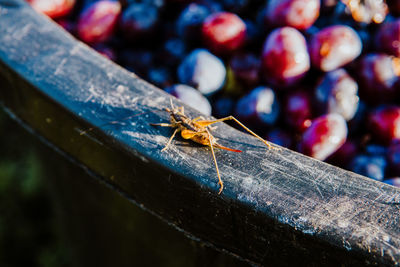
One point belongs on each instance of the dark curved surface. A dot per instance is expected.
(278, 207)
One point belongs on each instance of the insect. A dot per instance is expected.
(197, 130)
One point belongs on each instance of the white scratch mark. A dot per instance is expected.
(317, 187)
(18, 35)
(60, 66)
(75, 49)
(90, 97)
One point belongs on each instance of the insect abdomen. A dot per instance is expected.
(201, 139)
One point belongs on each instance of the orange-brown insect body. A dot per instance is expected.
(198, 130)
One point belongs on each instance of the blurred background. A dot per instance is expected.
(29, 233)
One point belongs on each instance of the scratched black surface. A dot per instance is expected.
(278, 207)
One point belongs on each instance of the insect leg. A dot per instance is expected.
(170, 139)
(206, 123)
(221, 184)
(162, 124)
(198, 118)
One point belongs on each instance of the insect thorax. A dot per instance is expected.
(184, 122)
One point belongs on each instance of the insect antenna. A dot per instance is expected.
(116, 121)
(172, 104)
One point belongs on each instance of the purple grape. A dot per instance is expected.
(223, 107)
(393, 156)
(337, 93)
(344, 155)
(191, 20)
(139, 21)
(298, 110)
(246, 68)
(213, 5)
(202, 70)
(378, 75)
(370, 166)
(394, 7)
(137, 61)
(159, 76)
(393, 181)
(375, 149)
(388, 38)
(280, 137)
(106, 51)
(259, 107)
(384, 123)
(236, 6)
(172, 52)
(191, 97)
(357, 124)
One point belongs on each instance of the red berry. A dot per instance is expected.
(384, 123)
(299, 14)
(53, 8)
(97, 23)
(223, 32)
(334, 47)
(285, 58)
(325, 135)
